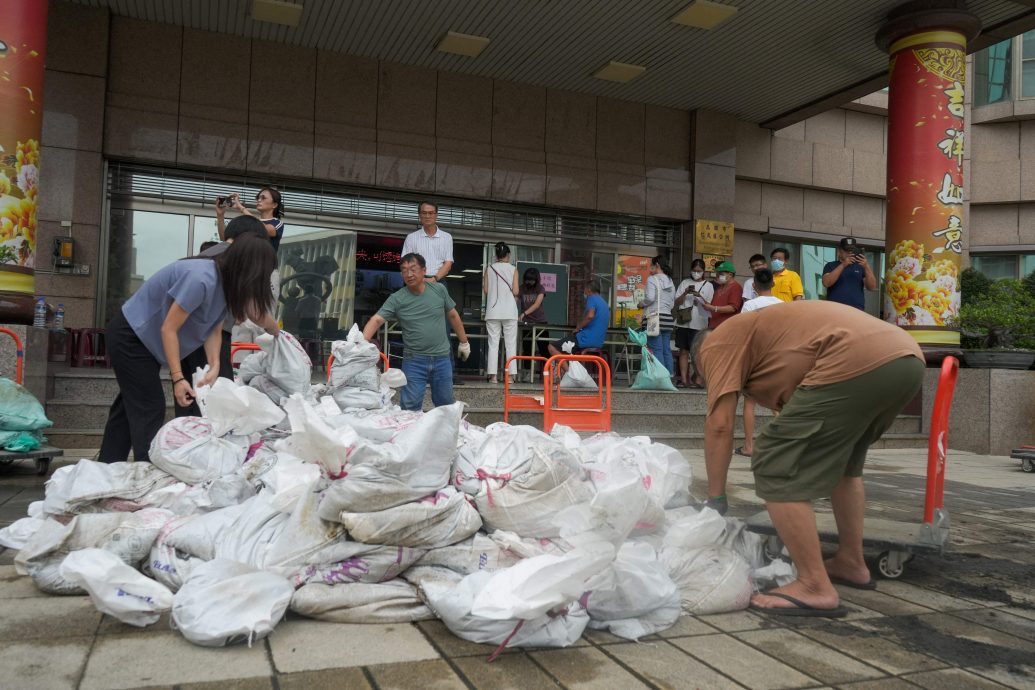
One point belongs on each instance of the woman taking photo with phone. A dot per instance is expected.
(177, 310)
(690, 318)
(267, 204)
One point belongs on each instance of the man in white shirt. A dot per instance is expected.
(435, 245)
(755, 262)
(762, 286)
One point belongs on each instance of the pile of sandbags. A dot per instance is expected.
(288, 497)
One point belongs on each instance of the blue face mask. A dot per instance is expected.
(776, 265)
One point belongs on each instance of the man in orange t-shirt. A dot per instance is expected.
(838, 377)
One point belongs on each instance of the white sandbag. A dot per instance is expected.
(494, 551)
(440, 519)
(395, 601)
(115, 588)
(665, 472)
(711, 579)
(279, 475)
(776, 574)
(305, 537)
(281, 369)
(20, 531)
(393, 378)
(368, 563)
(539, 584)
(314, 440)
(127, 535)
(355, 362)
(634, 596)
(188, 449)
(416, 463)
(362, 399)
(694, 529)
(237, 409)
(377, 425)
(620, 506)
(529, 504)
(452, 603)
(165, 563)
(577, 377)
(74, 488)
(750, 545)
(421, 575)
(223, 603)
(505, 452)
(197, 535)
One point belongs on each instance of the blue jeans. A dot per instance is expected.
(661, 348)
(421, 370)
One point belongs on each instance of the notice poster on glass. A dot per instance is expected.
(631, 274)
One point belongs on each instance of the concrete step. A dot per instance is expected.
(70, 415)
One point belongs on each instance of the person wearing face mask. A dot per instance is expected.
(727, 299)
(755, 263)
(660, 296)
(786, 283)
(686, 329)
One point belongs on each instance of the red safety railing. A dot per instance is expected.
(238, 347)
(585, 409)
(384, 362)
(938, 443)
(521, 401)
(19, 351)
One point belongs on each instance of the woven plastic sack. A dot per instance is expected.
(189, 449)
(395, 601)
(236, 409)
(440, 519)
(115, 588)
(355, 362)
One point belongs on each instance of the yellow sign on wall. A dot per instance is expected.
(713, 237)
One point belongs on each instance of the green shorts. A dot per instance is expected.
(823, 432)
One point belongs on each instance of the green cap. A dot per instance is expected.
(725, 267)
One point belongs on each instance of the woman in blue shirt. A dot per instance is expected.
(177, 310)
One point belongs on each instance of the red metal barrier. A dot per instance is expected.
(583, 409)
(516, 401)
(238, 347)
(19, 366)
(938, 443)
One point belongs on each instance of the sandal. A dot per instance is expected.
(739, 450)
(491, 379)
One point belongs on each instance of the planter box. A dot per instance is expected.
(999, 359)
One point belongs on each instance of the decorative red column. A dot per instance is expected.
(23, 38)
(924, 228)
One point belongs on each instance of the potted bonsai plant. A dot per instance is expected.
(997, 321)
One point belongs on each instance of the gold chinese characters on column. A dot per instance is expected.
(713, 237)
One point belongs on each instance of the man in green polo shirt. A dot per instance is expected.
(419, 308)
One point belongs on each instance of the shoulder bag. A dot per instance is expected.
(653, 320)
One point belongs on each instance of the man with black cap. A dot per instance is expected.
(846, 278)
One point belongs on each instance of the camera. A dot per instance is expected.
(226, 201)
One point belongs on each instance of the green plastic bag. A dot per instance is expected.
(23, 442)
(653, 376)
(19, 409)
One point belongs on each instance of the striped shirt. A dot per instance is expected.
(436, 249)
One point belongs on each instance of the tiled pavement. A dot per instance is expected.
(966, 620)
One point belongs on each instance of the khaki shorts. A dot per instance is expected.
(823, 432)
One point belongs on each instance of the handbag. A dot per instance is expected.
(683, 314)
(652, 323)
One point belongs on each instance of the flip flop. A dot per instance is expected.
(800, 608)
(739, 450)
(872, 584)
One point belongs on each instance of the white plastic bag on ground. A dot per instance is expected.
(188, 449)
(395, 601)
(665, 472)
(634, 596)
(452, 603)
(115, 588)
(776, 574)
(539, 584)
(414, 464)
(20, 531)
(280, 370)
(224, 602)
(127, 535)
(577, 377)
(238, 409)
(355, 362)
(314, 440)
(74, 488)
(440, 519)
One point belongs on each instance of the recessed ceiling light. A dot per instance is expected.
(462, 44)
(619, 72)
(704, 14)
(276, 12)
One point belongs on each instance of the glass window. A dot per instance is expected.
(1028, 64)
(140, 243)
(996, 265)
(1027, 264)
(204, 231)
(993, 72)
(813, 258)
(317, 281)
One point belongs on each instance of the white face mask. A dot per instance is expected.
(697, 275)
(723, 278)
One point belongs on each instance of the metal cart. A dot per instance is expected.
(1026, 454)
(44, 454)
(898, 542)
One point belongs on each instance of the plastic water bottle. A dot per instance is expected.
(39, 319)
(59, 318)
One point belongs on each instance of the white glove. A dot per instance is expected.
(464, 351)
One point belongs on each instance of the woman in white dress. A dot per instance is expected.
(500, 285)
